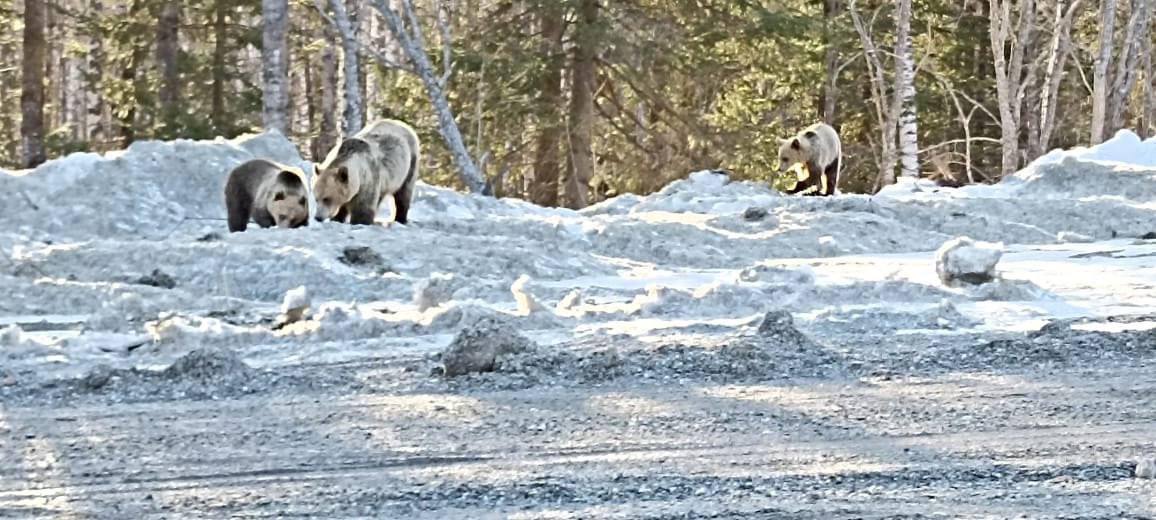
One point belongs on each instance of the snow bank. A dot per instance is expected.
(133, 246)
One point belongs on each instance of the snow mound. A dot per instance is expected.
(965, 261)
(135, 258)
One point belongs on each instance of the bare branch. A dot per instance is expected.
(377, 56)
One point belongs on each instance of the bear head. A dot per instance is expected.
(795, 150)
(288, 205)
(339, 179)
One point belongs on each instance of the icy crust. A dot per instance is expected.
(134, 250)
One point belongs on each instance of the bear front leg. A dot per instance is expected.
(239, 211)
(362, 216)
(264, 219)
(342, 214)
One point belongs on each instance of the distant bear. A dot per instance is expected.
(360, 172)
(819, 149)
(269, 193)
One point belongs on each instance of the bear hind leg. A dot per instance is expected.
(831, 172)
(401, 203)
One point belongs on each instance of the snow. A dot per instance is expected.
(87, 236)
(963, 260)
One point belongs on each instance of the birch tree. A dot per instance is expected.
(412, 42)
(275, 65)
(32, 85)
(1137, 31)
(1009, 71)
(1058, 51)
(1100, 86)
(905, 91)
(353, 115)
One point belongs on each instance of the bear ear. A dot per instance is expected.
(795, 143)
(288, 178)
(343, 175)
(351, 146)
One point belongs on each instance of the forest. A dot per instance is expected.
(567, 102)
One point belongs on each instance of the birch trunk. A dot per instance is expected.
(1100, 86)
(1128, 64)
(327, 130)
(32, 85)
(1008, 74)
(581, 158)
(413, 43)
(1054, 73)
(905, 92)
(353, 114)
(275, 69)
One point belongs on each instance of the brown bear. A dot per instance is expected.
(359, 173)
(818, 148)
(269, 193)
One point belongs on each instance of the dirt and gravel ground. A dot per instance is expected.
(1025, 426)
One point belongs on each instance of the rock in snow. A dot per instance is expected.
(962, 261)
(478, 347)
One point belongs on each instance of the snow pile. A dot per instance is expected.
(964, 261)
(134, 259)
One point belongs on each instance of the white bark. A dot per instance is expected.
(905, 92)
(275, 70)
(1057, 55)
(1008, 73)
(353, 115)
(413, 43)
(1100, 84)
(1127, 66)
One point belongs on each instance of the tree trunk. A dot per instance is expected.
(414, 44)
(168, 48)
(1149, 100)
(1054, 73)
(905, 92)
(275, 69)
(1129, 62)
(96, 106)
(327, 130)
(543, 190)
(1100, 86)
(1008, 74)
(353, 115)
(831, 10)
(220, 52)
(581, 120)
(32, 85)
